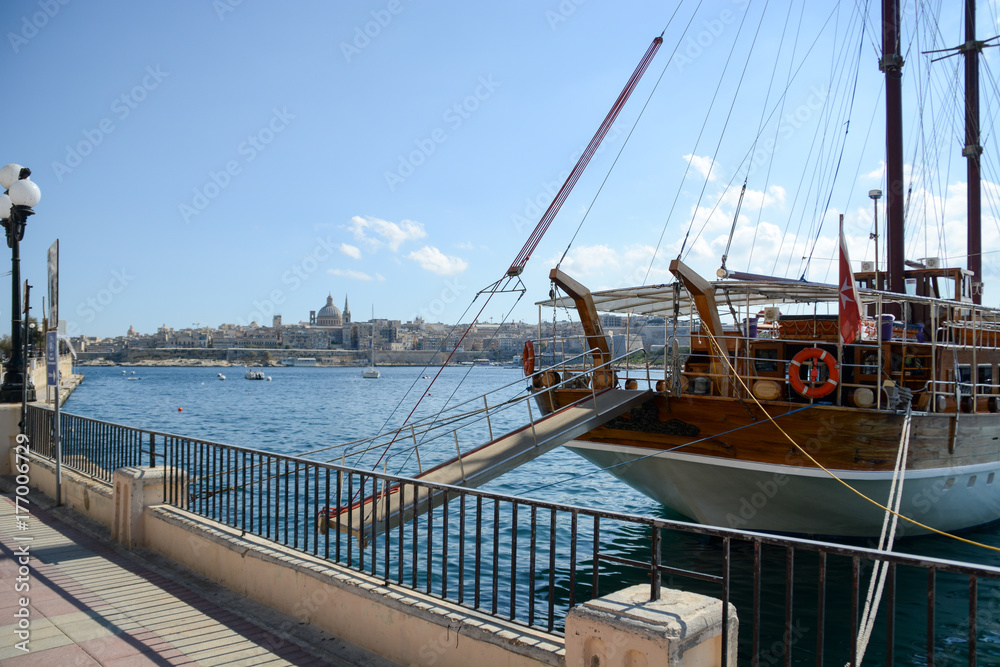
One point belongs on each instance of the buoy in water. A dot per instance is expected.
(180, 409)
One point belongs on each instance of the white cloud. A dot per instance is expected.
(350, 273)
(433, 260)
(703, 165)
(350, 250)
(389, 234)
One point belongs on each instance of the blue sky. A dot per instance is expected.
(208, 162)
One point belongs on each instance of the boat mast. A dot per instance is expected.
(972, 150)
(892, 65)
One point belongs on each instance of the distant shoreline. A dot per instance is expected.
(213, 363)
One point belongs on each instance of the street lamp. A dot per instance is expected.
(15, 208)
(875, 194)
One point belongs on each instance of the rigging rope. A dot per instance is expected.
(836, 171)
(517, 267)
(885, 542)
(628, 136)
(725, 125)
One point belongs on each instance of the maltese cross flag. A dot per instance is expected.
(850, 306)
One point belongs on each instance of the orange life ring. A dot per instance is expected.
(813, 391)
(528, 358)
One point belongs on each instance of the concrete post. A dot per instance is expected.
(10, 415)
(135, 489)
(625, 629)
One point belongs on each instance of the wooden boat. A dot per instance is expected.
(776, 421)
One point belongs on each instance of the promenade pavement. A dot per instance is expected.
(86, 601)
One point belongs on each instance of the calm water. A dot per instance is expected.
(306, 409)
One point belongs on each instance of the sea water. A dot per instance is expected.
(313, 409)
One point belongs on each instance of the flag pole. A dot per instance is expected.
(840, 335)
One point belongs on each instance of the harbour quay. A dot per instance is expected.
(438, 574)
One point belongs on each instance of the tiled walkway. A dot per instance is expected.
(89, 604)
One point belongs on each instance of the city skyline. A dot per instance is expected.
(403, 152)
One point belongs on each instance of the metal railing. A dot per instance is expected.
(531, 561)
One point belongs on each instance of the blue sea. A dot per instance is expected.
(307, 410)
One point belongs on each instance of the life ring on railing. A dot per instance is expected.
(528, 358)
(814, 391)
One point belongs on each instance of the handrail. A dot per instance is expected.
(277, 497)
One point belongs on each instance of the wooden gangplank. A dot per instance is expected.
(386, 509)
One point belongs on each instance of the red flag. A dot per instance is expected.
(850, 305)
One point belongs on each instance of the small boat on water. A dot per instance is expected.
(299, 361)
(252, 374)
(371, 373)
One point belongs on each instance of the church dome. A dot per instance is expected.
(329, 315)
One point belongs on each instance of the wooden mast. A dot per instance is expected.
(892, 65)
(972, 150)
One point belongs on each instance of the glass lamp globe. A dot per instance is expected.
(4, 207)
(9, 174)
(24, 193)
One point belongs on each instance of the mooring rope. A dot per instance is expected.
(885, 542)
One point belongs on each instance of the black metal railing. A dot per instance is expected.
(799, 601)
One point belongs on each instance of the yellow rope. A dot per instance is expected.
(725, 356)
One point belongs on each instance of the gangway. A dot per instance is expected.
(386, 508)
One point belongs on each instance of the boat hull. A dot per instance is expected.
(724, 462)
(793, 499)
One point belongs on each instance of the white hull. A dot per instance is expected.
(788, 499)
(371, 373)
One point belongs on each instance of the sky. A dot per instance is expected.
(221, 161)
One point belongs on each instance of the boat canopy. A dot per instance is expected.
(659, 299)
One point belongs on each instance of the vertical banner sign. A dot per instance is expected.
(54, 285)
(51, 358)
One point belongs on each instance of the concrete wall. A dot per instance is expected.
(402, 626)
(86, 495)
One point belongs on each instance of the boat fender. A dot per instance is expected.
(546, 379)
(993, 403)
(528, 358)
(631, 384)
(767, 390)
(814, 390)
(863, 397)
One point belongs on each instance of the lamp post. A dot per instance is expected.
(15, 208)
(875, 194)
